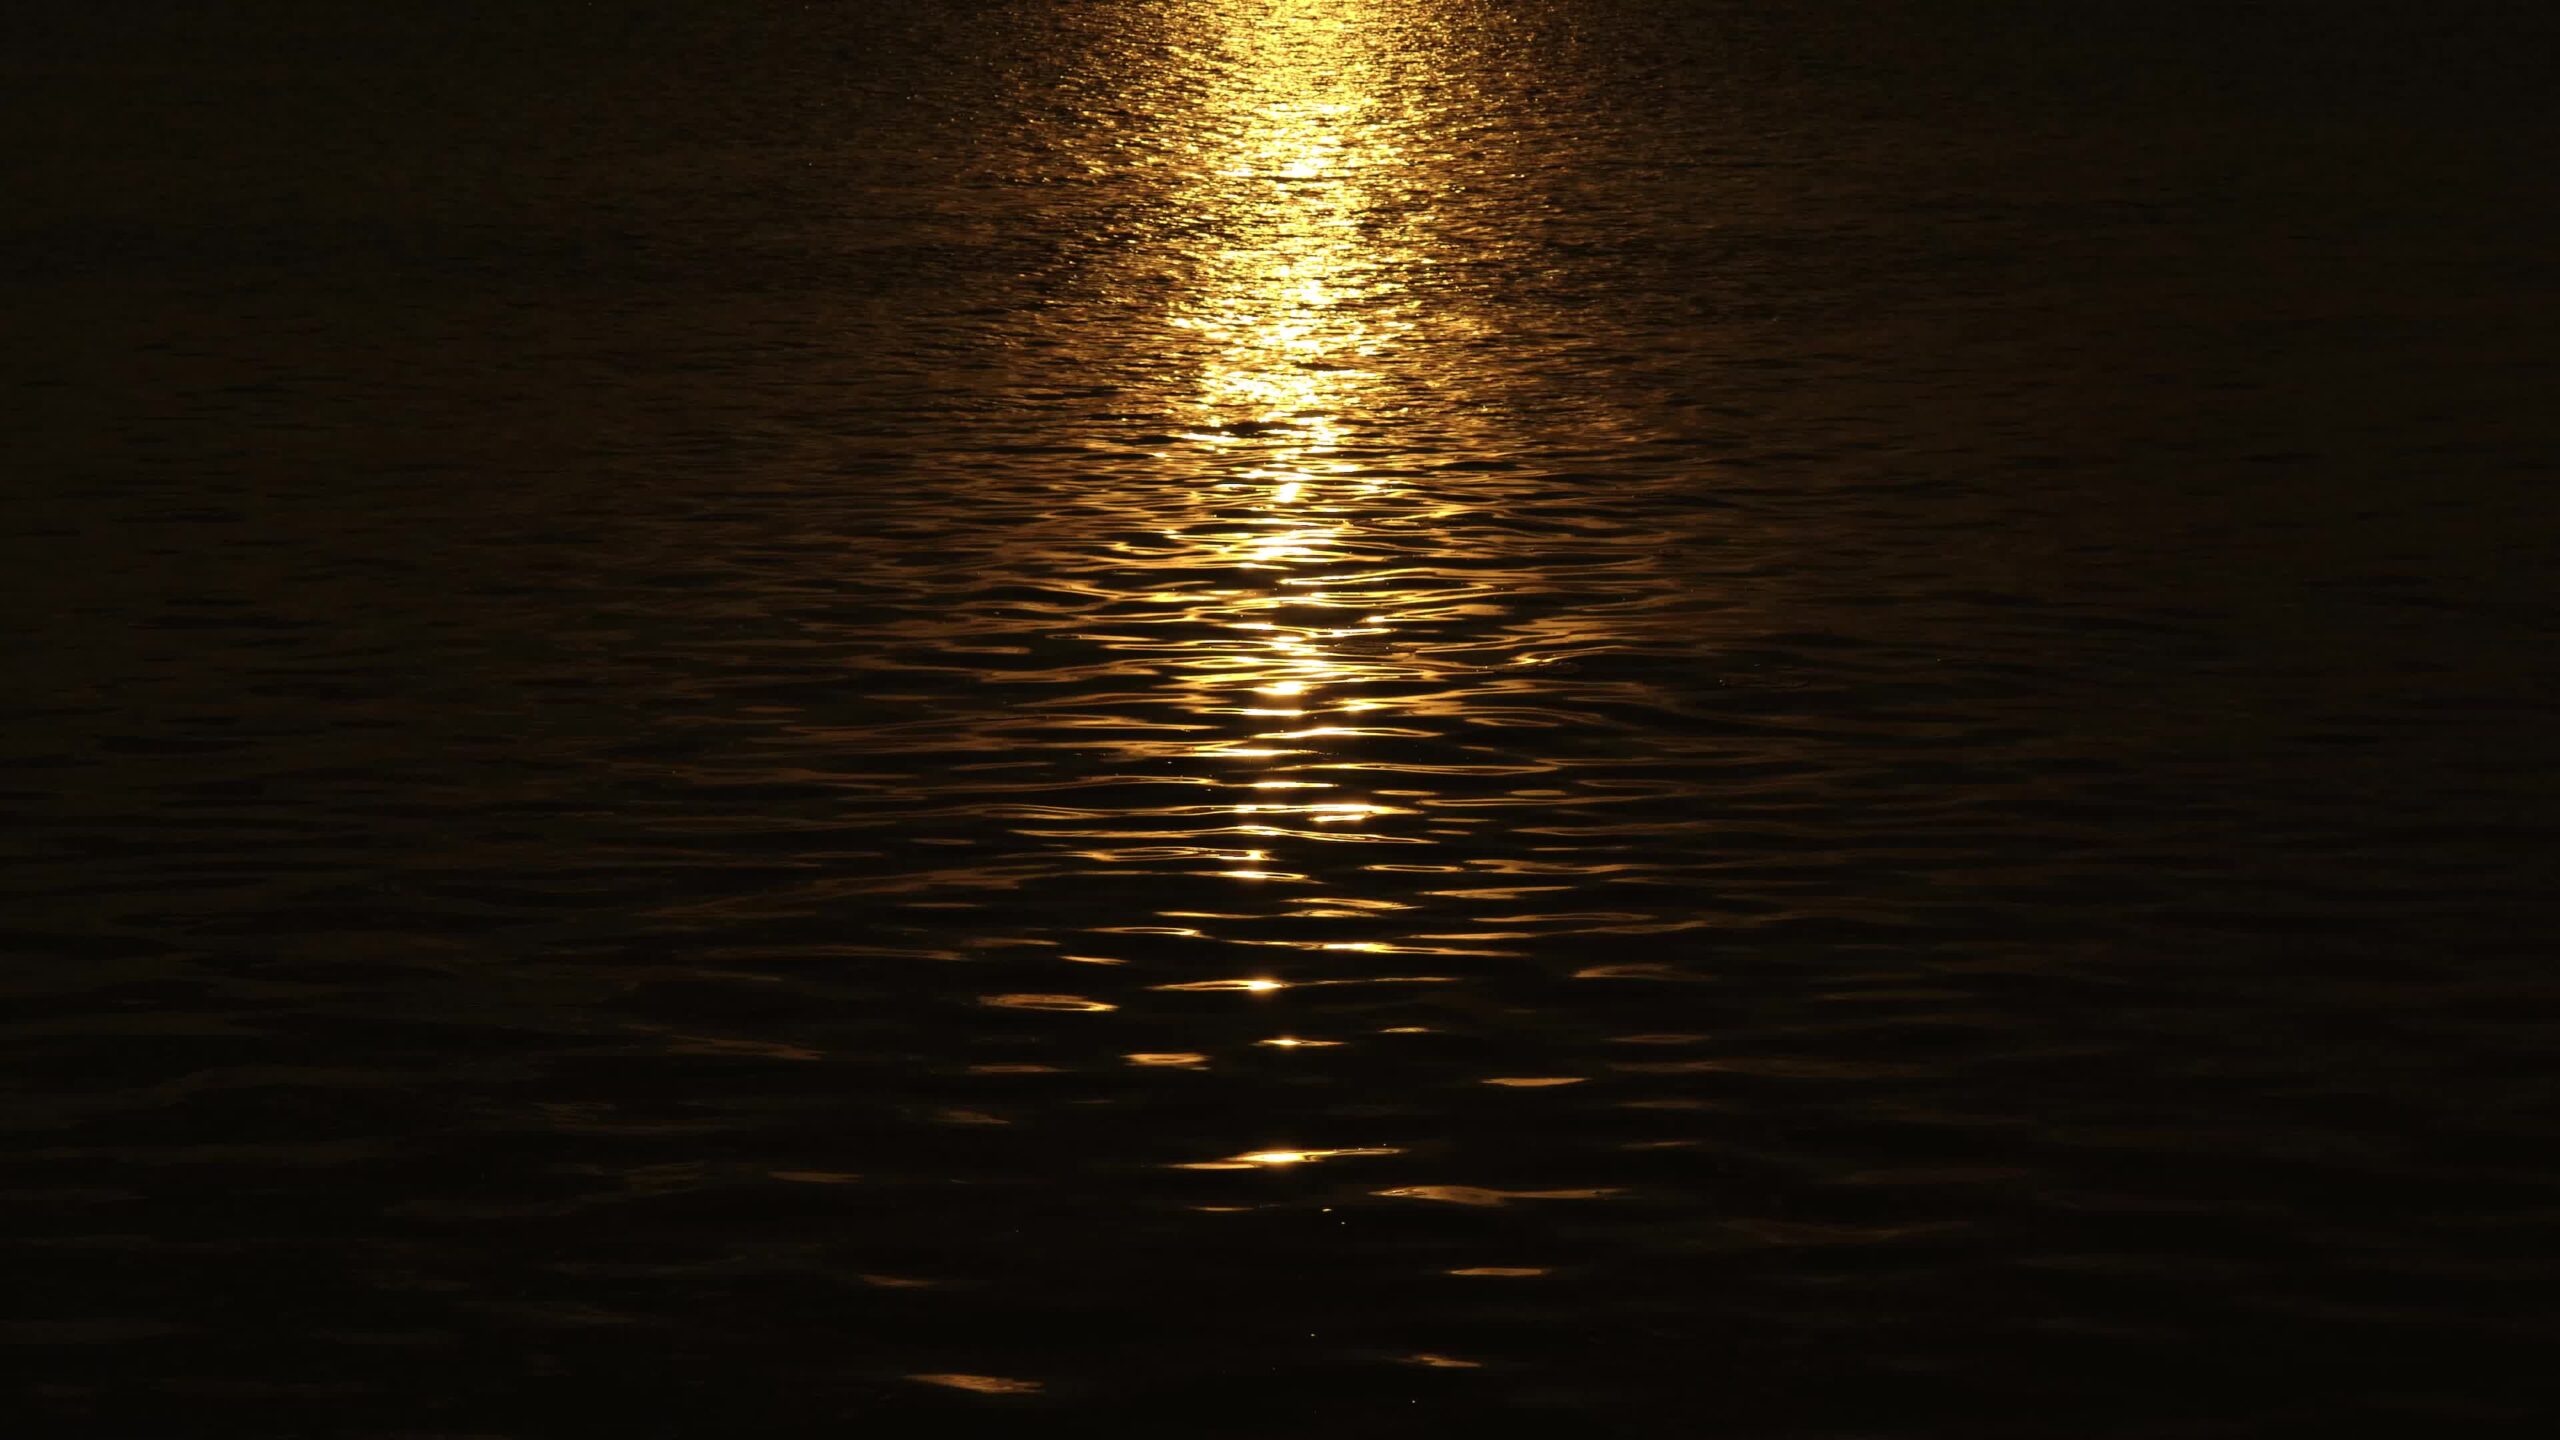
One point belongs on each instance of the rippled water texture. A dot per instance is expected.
(1228, 714)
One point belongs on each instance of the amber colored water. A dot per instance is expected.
(1236, 715)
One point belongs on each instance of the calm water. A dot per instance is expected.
(1229, 714)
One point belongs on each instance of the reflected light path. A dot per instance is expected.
(1323, 616)
(1286, 582)
(1293, 310)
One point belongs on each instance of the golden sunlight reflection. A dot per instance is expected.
(982, 1384)
(1266, 986)
(1272, 1159)
(1045, 1002)
(1296, 583)
(1290, 316)
(1171, 1059)
(1480, 1195)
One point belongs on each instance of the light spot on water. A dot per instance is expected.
(982, 1384)
(1483, 1196)
(1044, 1002)
(967, 1117)
(1269, 1159)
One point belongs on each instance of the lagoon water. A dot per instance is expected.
(1703, 719)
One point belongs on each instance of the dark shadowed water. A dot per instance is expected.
(1230, 715)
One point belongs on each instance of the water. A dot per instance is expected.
(1680, 719)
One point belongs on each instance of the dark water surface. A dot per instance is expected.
(1721, 719)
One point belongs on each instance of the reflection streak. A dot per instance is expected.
(1294, 315)
(1318, 597)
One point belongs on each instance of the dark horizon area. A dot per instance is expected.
(1217, 716)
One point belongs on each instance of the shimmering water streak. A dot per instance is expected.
(1297, 547)
(1329, 758)
(1298, 295)
(1304, 300)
